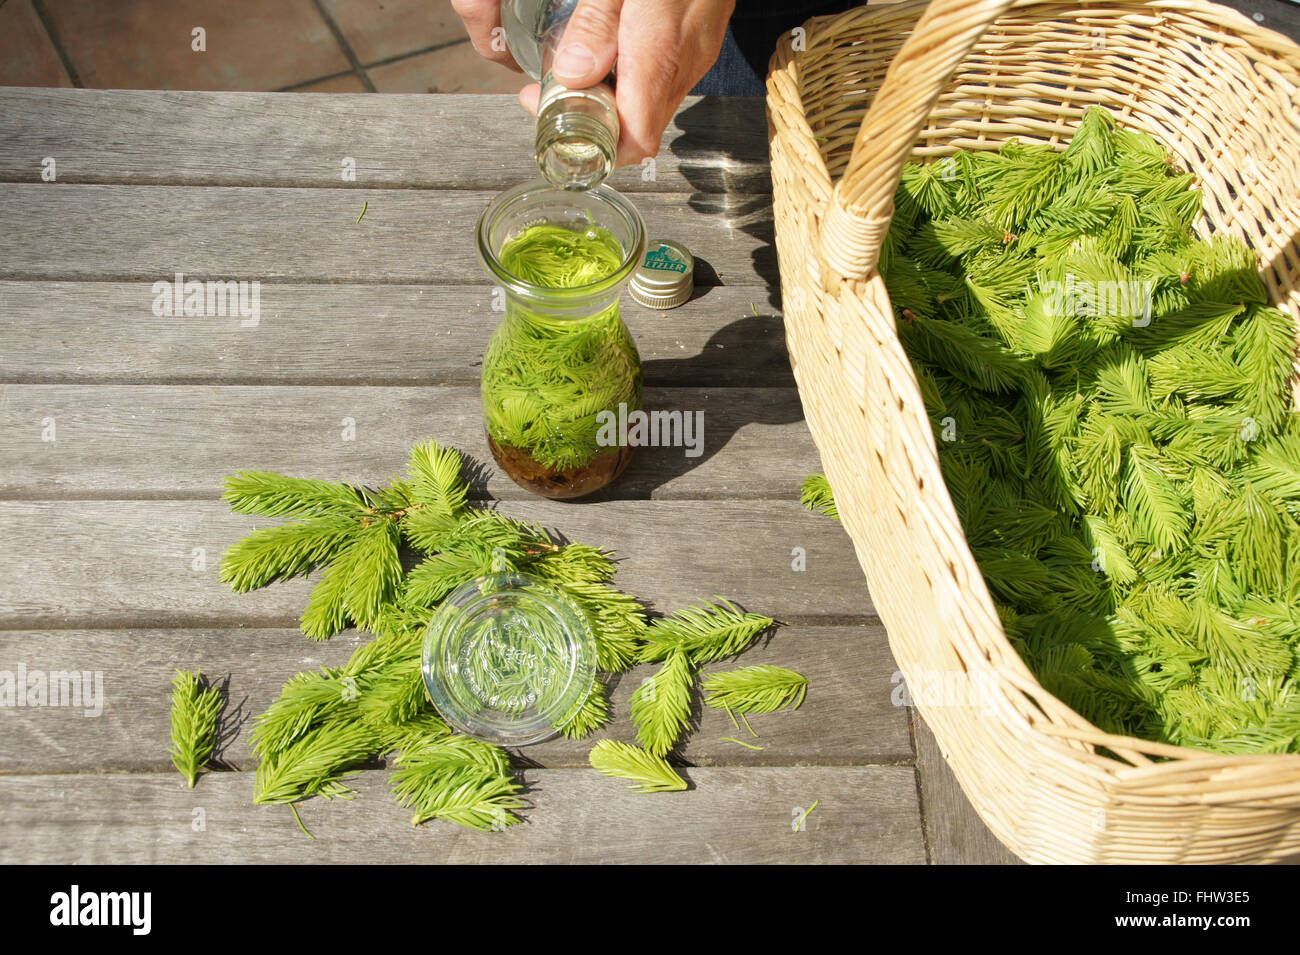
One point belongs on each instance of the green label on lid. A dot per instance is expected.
(665, 259)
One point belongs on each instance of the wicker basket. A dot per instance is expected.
(1224, 94)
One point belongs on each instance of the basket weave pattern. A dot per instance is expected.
(881, 85)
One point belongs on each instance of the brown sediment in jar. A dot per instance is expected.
(525, 471)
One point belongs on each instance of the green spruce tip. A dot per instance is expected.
(755, 689)
(661, 705)
(1126, 474)
(457, 778)
(647, 773)
(588, 714)
(707, 632)
(195, 710)
(816, 495)
(350, 534)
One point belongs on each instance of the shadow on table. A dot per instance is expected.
(722, 152)
(715, 415)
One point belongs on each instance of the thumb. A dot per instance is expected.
(590, 44)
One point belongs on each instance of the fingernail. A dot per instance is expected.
(574, 60)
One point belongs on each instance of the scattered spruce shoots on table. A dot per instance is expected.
(195, 710)
(1110, 401)
(756, 689)
(647, 772)
(328, 723)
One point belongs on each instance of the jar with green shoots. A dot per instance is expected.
(561, 362)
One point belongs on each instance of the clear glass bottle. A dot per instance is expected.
(561, 369)
(577, 130)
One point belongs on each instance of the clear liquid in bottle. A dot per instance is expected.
(577, 130)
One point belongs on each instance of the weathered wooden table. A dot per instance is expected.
(118, 426)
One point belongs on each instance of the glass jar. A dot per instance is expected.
(561, 371)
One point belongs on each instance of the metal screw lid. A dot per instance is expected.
(666, 276)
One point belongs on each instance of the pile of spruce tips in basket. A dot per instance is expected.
(1110, 400)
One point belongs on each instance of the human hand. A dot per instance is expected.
(482, 19)
(663, 48)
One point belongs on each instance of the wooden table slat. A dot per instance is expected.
(713, 144)
(732, 815)
(94, 564)
(847, 718)
(106, 332)
(139, 440)
(151, 233)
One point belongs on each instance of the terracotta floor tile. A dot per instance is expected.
(379, 29)
(146, 44)
(27, 56)
(455, 69)
(347, 83)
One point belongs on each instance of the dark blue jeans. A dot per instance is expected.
(741, 67)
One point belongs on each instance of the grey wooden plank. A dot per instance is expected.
(139, 440)
(714, 144)
(353, 334)
(150, 233)
(732, 815)
(134, 563)
(954, 832)
(846, 719)
(127, 725)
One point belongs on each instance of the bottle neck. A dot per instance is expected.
(577, 134)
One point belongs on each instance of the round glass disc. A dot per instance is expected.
(509, 659)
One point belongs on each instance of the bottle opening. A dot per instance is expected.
(574, 163)
(577, 136)
(527, 205)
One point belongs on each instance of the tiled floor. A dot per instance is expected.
(334, 46)
(338, 46)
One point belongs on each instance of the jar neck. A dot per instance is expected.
(512, 212)
(561, 316)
